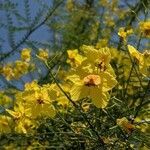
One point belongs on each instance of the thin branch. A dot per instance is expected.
(30, 32)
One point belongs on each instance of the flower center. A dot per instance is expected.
(102, 66)
(92, 80)
(40, 101)
(147, 32)
(146, 53)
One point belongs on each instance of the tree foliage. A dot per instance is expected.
(84, 86)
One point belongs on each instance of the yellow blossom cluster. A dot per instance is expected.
(89, 80)
(93, 77)
(93, 93)
(18, 68)
(15, 70)
(34, 102)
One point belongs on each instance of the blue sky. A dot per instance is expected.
(42, 34)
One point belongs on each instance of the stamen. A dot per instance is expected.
(40, 101)
(92, 80)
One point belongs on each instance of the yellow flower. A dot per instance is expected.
(19, 112)
(143, 60)
(25, 54)
(38, 100)
(16, 69)
(8, 72)
(94, 86)
(136, 54)
(40, 105)
(32, 86)
(20, 68)
(21, 116)
(129, 31)
(94, 77)
(43, 54)
(5, 124)
(125, 124)
(74, 58)
(124, 33)
(98, 59)
(5, 101)
(145, 28)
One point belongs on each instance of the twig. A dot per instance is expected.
(30, 32)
